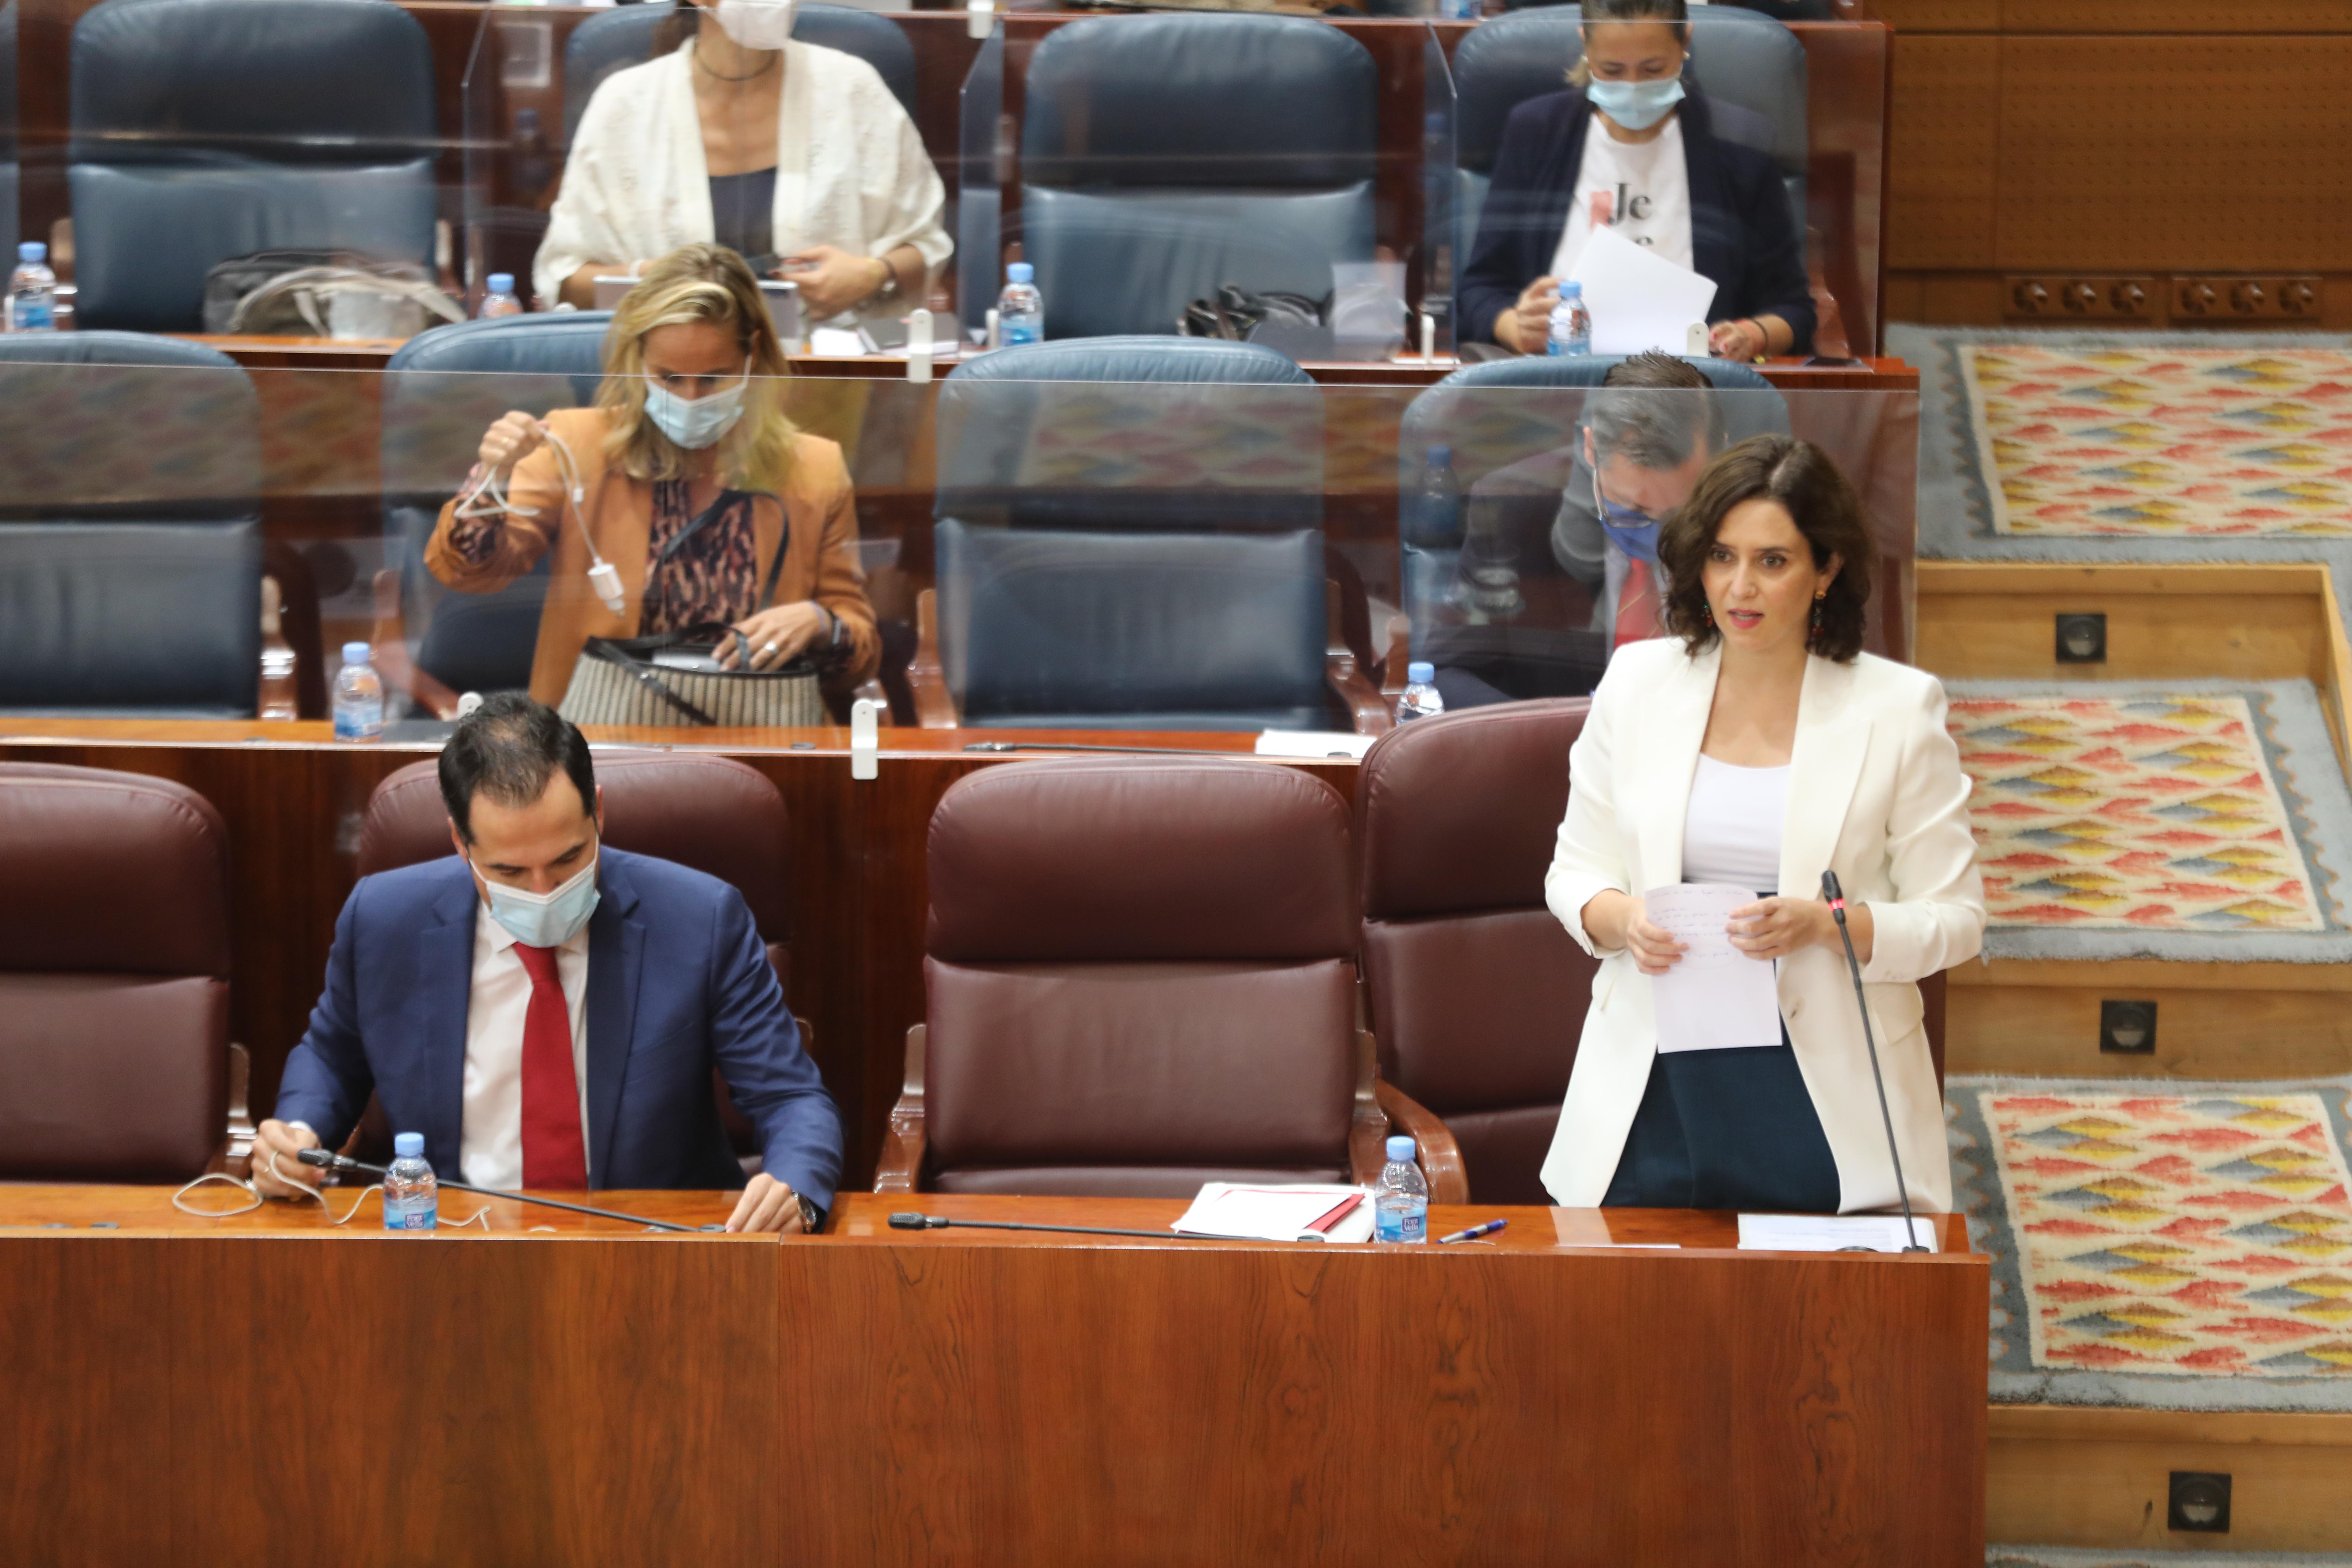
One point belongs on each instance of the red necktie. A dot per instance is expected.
(553, 1155)
(1637, 606)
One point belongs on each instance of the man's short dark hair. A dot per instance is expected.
(508, 749)
(1646, 414)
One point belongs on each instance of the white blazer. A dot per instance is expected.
(850, 170)
(1875, 793)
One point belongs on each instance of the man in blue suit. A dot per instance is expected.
(546, 1010)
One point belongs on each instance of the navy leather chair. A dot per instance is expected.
(1164, 155)
(204, 130)
(1106, 606)
(623, 37)
(130, 549)
(1749, 66)
(442, 390)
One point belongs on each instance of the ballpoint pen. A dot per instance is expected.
(1475, 1232)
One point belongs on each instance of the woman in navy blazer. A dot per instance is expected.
(1742, 235)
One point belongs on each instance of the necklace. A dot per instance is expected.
(764, 66)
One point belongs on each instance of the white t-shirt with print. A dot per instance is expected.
(1644, 192)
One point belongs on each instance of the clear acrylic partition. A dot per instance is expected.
(1114, 556)
(984, 160)
(11, 157)
(1439, 256)
(1811, 98)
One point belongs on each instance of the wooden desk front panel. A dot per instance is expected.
(1071, 1399)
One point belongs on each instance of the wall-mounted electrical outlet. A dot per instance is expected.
(2103, 298)
(2226, 298)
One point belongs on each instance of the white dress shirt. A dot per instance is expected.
(489, 1128)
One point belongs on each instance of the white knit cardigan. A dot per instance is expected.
(850, 170)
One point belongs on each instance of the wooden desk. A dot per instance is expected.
(218, 1391)
(293, 802)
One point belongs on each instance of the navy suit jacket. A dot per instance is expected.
(678, 980)
(1742, 235)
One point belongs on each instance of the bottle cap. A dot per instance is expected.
(409, 1145)
(1572, 289)
(1019, 272)
(31, 250)
(1441, 455)
(1400, 1147)
(501, 282)
(357, 653)
(1421, 672)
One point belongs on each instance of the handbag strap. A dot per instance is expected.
(645, 676)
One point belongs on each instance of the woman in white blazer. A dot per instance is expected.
(795, 157)
(1757, 745)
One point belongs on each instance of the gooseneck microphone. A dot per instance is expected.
(908, 1219)
(1836, 896)
(327, 1160)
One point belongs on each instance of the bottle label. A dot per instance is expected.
(1020, 332)
(32, 316)
(411, 1214)
(358, 720)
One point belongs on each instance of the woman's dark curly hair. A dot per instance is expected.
(1817, 498)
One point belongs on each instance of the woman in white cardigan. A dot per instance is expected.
(1756, 745)
(798, 158)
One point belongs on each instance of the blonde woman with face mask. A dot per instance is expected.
(796, 157)
(686, 477)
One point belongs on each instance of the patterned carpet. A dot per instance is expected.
(2196, 820)
(2076, 1557)
(2163, 442)
(2132, 446)
(2176, 1245)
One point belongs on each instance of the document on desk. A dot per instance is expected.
(1638, 298)
(1302, 1212)
(1830, 1232)
(1716, 998)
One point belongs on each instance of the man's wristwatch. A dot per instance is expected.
(812, 1217)
(888, 288)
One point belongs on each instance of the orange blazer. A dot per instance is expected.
(820, 562)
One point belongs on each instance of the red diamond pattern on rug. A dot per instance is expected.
(2163, 443)
(2154, 813)
(2204, 1234)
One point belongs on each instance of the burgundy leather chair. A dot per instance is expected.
(713, 814)
(1478, 994)
(1140, 977)
(114, 962)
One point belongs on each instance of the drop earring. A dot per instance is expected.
(1817, 617)
(1708, 611)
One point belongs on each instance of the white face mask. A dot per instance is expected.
(756, 24)
(545, 920)
(695, 423)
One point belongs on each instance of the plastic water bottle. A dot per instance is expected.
(32, 291)
(412, 1198)
(1020, 309)
(1432, 519)
(358, 697)
(1421, 699)
(1401, 1203)
(501, 300)
(1571, 324)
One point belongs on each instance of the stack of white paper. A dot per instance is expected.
(1300, 1213)
(1312, 744)
(1830, 1232)
(1638, 298)
(1715, 997)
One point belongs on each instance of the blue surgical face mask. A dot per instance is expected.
(695, 423)
(1635, 532)
(544, 919)
(1635, 105)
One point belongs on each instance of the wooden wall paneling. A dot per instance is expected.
(1937, 16)
(2212, 16)
(2216, 1022)
(84, 1387)
(2215, 152)
(569, 1400)
(1943, 147)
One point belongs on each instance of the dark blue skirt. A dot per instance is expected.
(1727, 1130)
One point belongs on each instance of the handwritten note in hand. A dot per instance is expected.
(1716, 998)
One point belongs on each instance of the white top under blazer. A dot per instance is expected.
(1875, 792)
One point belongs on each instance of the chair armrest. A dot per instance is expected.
(235, 1156)
(388, 650)
(934, 705)
(1440, 1157)
(1368, 1132)
(1368, 711)
(1398, 661)
(901, 1166)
